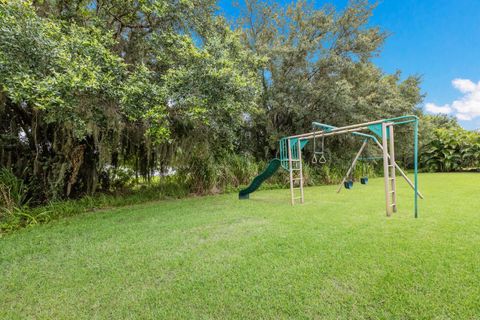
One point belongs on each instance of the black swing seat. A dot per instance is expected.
(364, 180)
(348, 184)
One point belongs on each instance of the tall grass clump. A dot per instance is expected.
(13, 190)
(205, 175)
(200, 175)
(23, 216)
(13, 200)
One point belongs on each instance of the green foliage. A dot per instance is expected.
(62, 70)
(120, 178)
(22, 216)
(13, 191)
(205, 175)
(452, 150)
(430, 123)
(81, 93)
(199, 176)
(318, 69)
(97, 97)
(14, 199)
(143, 100)
(236, 170)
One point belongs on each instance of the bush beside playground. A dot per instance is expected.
(228, 175)
(452, 150)
(446, 150)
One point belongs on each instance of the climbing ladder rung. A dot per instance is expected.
(293, 164)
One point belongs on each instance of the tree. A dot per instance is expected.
(92, 89)
(85, 88)
(319, 68)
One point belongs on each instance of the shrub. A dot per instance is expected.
(452, 150)
(199, 173)
(13, 191)
(200, 176)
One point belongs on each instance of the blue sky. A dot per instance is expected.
(437, 39)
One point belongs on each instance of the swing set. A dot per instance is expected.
(349, 177)
(290, 158)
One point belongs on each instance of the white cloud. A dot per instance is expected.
(465, 108)
(464, 85)
(433, 108)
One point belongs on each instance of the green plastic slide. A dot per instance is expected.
(258, 180)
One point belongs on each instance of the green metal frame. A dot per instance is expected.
(294, 150)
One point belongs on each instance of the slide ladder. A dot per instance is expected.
(296, 179)
(389, 167)
(290, 160)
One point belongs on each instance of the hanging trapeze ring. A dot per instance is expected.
(314, 158)
(322, 159)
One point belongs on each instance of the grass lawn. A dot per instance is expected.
(337, 256)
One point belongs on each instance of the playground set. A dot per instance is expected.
(290, 158)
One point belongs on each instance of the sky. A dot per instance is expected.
(436, 39)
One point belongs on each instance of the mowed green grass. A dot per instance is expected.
(335, 257)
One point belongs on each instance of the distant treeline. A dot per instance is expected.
(94, 94)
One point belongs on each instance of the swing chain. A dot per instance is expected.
(364, 163)
(321, 153)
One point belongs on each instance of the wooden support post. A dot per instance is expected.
(392, 170)
(290, 169)
(385, 168)
(301, 170)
